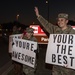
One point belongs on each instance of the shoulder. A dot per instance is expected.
(33, 39)
(24, 37)
(72, 31)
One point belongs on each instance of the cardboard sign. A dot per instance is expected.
(23, 52)
(61, 50)
(18, 36)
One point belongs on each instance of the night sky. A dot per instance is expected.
(25, 8)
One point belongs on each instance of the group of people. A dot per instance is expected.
(27, 34)
(61, 28)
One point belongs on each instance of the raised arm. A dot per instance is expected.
(48, 26)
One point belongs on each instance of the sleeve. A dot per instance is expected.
(48, 26)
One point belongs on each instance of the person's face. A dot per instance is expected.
(62, 22)
(29, 34)
(14, 28)
(19, 28)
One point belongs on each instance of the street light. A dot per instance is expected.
(17, 17)
(46, 1)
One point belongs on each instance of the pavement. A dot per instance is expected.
(6, 68)
(5, 60)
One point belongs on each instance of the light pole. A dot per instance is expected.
(47, 2)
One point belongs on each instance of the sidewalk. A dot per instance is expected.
(6, 68)
(41, 70)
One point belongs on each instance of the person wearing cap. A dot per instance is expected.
(62, 28)
(28, 35)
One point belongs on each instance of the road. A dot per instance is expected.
(4, 56)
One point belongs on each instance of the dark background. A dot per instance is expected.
(25, 8)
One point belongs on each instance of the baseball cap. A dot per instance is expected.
(63, 15)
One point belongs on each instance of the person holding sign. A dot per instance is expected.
(28, 35)
(62, 28)
(18, 67)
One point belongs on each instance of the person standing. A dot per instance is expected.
(18, 67)
(14, 29)
(19, 30)
(28, 35)
(62, 28)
